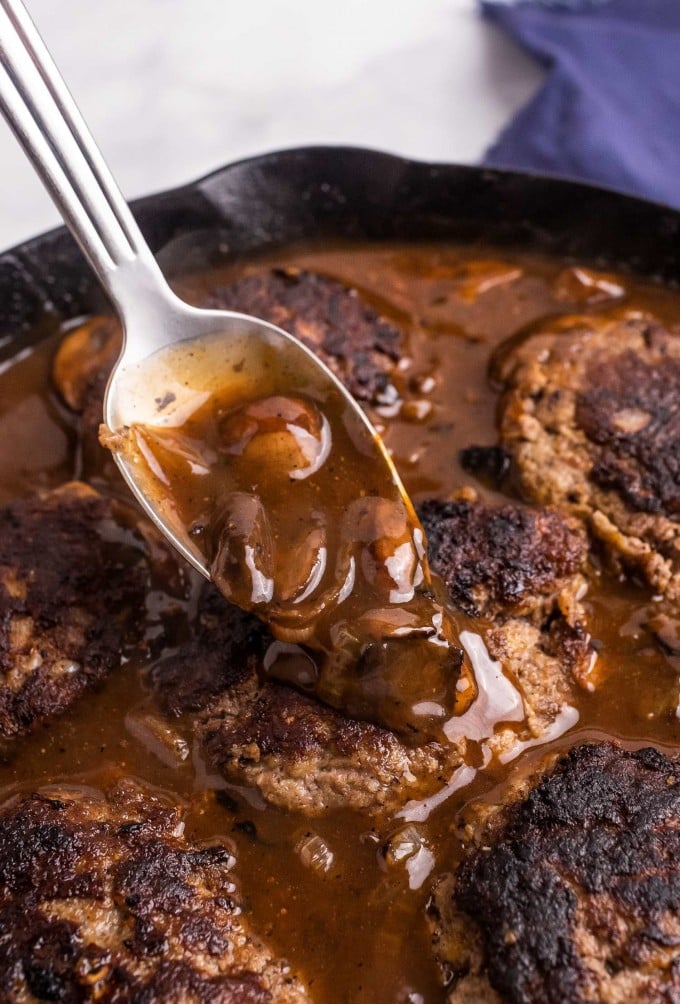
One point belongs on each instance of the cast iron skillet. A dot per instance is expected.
(345, 192)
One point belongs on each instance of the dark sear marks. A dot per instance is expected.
(591, 417)
(571, 890)
(226, 646)
(495, 558)
(631, 410)
(524, 572)
(72, 588)
(303, 756)
(104, 899)
(361, 347)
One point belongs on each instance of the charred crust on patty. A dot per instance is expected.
(281, 721)
(359, 345)
(504, 557)
(591, 418)
(102, 898)
(521, 572)
(571, 890)
(630, 408)
(72, 589)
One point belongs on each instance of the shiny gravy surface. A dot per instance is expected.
(298, 514)
(356, 931)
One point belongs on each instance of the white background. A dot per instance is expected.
(175, 88)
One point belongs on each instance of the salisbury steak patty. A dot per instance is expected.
(591, 416)
(304, 756)
(497, 559)
(226, 646)
(298, 753)
(71, 598)
(350, 337)
(103, 899)
(571, 892)
(521, 570)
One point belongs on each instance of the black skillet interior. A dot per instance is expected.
(343, 192)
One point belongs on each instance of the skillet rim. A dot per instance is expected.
(314, 192)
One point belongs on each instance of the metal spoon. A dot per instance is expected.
(35, 101)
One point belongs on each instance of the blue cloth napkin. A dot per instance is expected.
(609, 110)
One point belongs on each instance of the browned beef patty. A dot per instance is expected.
(103, 899)
(591, 418)
(350, 337)
(304, 756)
(571, 891)
(72, 588)
(522, 571)
(501, 558)
(299, 754)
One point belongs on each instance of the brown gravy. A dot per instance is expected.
(356, 931)
(298, 514)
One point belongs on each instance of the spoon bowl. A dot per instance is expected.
(159, 381)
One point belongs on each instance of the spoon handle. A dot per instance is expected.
(45, 119)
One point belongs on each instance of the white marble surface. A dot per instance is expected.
(175, 88)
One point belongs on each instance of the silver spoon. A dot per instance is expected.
(38, 106)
